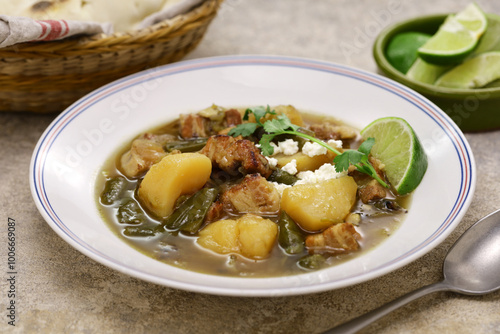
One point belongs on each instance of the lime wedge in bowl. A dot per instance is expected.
(494, 84)
(490, 41)
(474, 19)
(402, 49)
(424, 72)
(400, 151)
(476, 72)
(456, 38)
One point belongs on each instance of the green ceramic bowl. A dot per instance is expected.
(471, 109)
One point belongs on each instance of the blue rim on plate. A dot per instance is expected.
(71, 114)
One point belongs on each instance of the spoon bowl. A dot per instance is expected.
(472, 267)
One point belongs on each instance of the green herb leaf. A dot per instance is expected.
(366, 146)
(359, 159)
(364, 169)
(265, 144)
(279, 125)
(344, 160)
(258, 112)
(283, 125)
(245, 129)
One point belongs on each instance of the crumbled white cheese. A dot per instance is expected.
(290, 167)
(335, 143)
(280, 187)
(325, 172)
(273, 162)
(312, 149)
(276, 148)
(287, 147)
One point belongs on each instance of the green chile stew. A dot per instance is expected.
(189, 236)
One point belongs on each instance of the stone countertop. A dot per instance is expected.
(59, 290)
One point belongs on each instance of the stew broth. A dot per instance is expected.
(182, 250)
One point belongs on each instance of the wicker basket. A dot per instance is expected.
(49, 76)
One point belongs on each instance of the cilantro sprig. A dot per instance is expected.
(247, 129)
(282, 125)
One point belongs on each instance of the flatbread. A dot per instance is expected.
(122, 14)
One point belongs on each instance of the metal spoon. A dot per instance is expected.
(472, 267)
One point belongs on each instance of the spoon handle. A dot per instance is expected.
(362, 321)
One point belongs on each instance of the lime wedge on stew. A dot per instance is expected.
(456, 37)
(398, 148)
(476, 72)
(401, 51)
(424, 72)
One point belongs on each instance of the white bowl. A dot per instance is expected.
(72, 150)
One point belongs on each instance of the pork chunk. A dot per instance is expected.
(144, 152)
(193, 126)
(337, 239)
(215, 212)
(236, 155)
(377, 165)
(373, 191)
(326, 131)
(233, 118)
(208, 122)
(361, 178)
(253, 195)
(161, 139)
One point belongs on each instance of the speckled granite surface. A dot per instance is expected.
(59, 290)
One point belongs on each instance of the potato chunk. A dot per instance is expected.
(319, 205)
(173, 176)
(251, 236)
(257, 236)
(221, 237)
(292, 113)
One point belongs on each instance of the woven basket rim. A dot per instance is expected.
(166, 27)
(46, 77)
(172, 22)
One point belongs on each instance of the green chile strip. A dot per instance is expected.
(290, 237)
(190, 145)
(112, 190)
(280, 176)
(312, 262)
(189, 216)
(138, 231)
(130, 213)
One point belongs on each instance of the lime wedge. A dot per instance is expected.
(476, 72)
(456, 38)
(424, 72)
(473, 19)
(399, 149)
(401, 51)
(493, 84)
(451, 44)
(491, 38)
